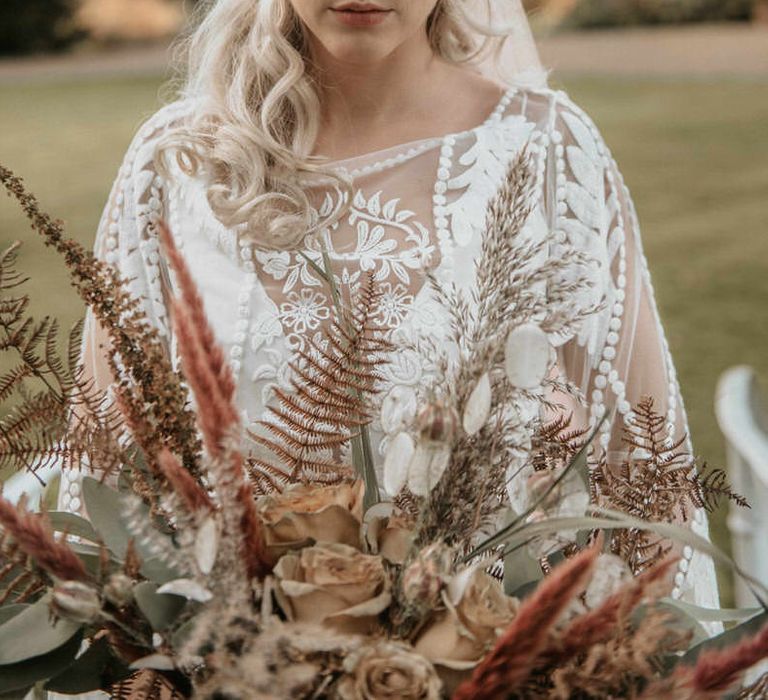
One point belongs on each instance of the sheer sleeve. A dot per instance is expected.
(620, 354)
(127, 239)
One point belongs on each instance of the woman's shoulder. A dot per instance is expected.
(170, 114)
(548, 107)
(559, 119)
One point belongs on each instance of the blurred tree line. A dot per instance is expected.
(32, 26)
(611, 13)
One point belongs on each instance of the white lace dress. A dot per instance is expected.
(414, 202)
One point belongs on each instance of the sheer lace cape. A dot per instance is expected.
(417, 201)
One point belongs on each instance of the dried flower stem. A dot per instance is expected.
(516, 653)
(35, 538)
(213, 385)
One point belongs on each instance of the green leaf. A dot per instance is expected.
(520, 570)
(727, 638)
(160, 609)
(96, 669)
(105, 508)
(9, 611)
(677, 619)
(713, 614)
(601, 519)
(32, 633)
(180, 636)
(73, 525)
(21, 675)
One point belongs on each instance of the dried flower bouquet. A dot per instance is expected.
(208, 573)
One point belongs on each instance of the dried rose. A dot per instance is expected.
(456, 639)
(425, 577)
(388, 670)
(333, 584)
(76, 601)
(389, 533)
(303, 514)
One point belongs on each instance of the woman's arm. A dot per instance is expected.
(127, 239)
(621, 354)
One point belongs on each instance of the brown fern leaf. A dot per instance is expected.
(757, 691)
(555, 443)
(145, 685)
(715, 487)
(147, 375)
(308, 427)
(20, 579)
(658, 482)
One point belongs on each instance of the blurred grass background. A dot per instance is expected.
(694, 154)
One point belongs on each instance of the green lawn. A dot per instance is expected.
(693, 153)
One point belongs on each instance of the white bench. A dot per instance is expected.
(742, 413)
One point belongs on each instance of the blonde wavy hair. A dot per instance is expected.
(256, 112)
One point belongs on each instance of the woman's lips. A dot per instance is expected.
(361, 18)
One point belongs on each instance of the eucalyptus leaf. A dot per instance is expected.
(520, 569)
(182, 634)
(677, 619)
(73, 525)
(95, 669)
(713, 614)
(160, 609)
(727, 638)
(21, 675)
(602, 518)
(9, 611)
(32, 633)
(105, 508)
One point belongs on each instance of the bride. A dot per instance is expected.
(382, 128)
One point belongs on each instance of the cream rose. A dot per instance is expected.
(304, 514)
(333, 584)
(389, 533)
(389, 670)
(477, 612)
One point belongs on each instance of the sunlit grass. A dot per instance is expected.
(693, 154)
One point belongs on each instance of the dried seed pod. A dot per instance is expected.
(430, 460)
(527, 356)
(119, 590)
(76, 601)
(478, 407)
(397, 462)
(437, 423)
(207, 545)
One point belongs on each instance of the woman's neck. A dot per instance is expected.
(360, 97)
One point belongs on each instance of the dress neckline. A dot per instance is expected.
(494, 115)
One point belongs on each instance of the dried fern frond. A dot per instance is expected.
(658, 482)
(714, 487)
(510, 273)
(332, 383)
(757, 691)
(556, 443)
(146, 376)
(145, 685)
